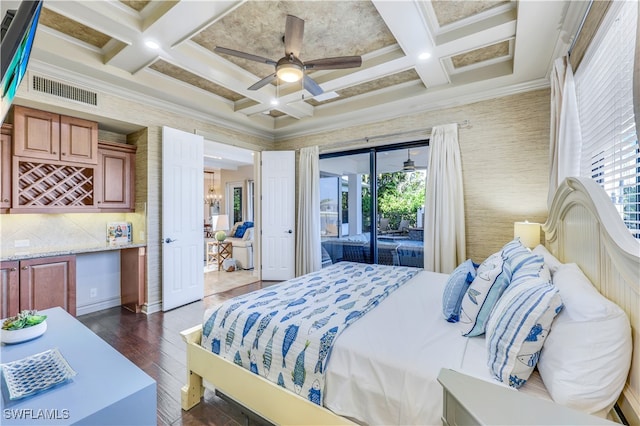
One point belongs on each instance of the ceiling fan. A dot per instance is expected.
(290, 68)
(409, 165)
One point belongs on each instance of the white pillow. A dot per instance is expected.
(492, 277)
(549, 259)
(517, 328)
(586, 358)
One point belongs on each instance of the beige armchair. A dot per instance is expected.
(243, 249)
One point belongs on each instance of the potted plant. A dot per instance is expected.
(27, 325)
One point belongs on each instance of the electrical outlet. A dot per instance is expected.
(93, 292)
(21, 243)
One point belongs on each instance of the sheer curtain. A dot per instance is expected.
(565, 136)
(308, 256)
(444, 228)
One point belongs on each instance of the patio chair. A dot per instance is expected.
(403, 227)
(383, 225)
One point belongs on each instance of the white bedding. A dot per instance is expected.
(385, 372)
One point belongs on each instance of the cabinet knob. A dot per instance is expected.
(99, 202)
(24, 268)
(54, 152)
(14, 269)
(64, 153)
(6, 200)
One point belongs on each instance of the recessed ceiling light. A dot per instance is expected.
(274, 102)
(152, 44)
(424, 55)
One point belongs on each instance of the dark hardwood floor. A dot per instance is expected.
(153, 343)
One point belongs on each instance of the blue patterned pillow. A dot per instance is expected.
(517, 328)
(456, 287)
(493, 276)
(522, 262)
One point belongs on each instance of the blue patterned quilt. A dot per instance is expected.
(285, 332)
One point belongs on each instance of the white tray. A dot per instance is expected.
(36, 373)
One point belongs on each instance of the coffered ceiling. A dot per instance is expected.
(476, 50)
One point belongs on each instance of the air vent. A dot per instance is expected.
(61, 90)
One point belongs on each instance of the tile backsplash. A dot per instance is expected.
(60, 231)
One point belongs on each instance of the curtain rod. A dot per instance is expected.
(462, 125)
(584, 18)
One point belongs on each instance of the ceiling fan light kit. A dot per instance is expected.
(409, 166)
(290, 68)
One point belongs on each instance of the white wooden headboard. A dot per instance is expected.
(584, 228)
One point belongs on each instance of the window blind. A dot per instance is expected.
(604, 88)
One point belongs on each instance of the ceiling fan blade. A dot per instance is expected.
(293, 32)
(334, 63)
(244, 55)
(311, 86)
(268, 79)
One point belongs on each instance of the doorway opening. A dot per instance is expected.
(226, 211)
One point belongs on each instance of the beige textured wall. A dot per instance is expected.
(504, 160)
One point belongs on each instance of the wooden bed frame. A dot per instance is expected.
(583, 227)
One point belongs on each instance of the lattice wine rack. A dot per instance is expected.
(51, 185)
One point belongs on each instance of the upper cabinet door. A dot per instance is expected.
(114, 178)
(78, 140)
(36, 134)
(48, 136)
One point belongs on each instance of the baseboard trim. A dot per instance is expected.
(98, 306)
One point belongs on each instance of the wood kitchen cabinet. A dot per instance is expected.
(132, 278)
(49, 136)
(115, 177)
(47, 282)
(10, 282)
(5, 167)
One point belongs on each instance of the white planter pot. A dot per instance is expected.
(23, 334)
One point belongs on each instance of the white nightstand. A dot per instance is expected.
(471, 401)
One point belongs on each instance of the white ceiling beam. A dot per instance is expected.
(538, 31)
(406, 21)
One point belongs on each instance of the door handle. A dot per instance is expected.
(169, 240)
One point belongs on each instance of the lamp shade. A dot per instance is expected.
(528, 232)
(220, 222)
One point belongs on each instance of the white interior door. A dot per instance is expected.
(182, 218)
(278, 213)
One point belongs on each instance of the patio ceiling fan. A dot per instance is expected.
(290, 67)
(409, 165)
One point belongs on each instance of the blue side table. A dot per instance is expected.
(108, 389)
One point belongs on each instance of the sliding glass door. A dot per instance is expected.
(344, 207)
(372, 204)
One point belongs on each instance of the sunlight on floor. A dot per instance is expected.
(219, 281)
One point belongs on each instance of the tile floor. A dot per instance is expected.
(221, 281)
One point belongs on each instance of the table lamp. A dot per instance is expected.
(528, 232)
(220, 224)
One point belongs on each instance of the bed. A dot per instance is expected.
(368, 379)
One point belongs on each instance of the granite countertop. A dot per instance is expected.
(35, 252)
